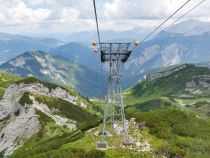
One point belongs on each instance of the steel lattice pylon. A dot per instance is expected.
(115, 54)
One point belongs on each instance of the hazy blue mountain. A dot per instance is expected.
(204, 64)
(179, 44)
(79, 53)
(13, 45)
(55, 69)
(171, 47)
(168, 49)
(107, 35)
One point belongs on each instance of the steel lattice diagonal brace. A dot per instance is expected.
(115, 54)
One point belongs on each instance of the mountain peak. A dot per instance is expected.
(54, 69)
(32, 53)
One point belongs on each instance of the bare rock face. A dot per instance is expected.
(197, 87)
(63, 94)
(18, 123)
(17, 130)
(9, 103)
(59, 120)
(156, 75)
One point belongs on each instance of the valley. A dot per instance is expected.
(53, 94)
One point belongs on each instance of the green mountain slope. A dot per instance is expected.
(47, 120)
(177, 123)
(188, 82)
(50, 139)
(34, 113)
(174, 104)
(178, 133)
(188, 88)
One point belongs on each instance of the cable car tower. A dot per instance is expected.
(115, 54)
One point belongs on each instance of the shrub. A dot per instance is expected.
(184, 133)
(25, 99)
(17, 113)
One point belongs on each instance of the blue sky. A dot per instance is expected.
(68, 16)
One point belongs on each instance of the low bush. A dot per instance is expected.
(25, 99)
(184, 133)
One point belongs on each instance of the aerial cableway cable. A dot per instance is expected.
(99, 40)
(165, 21)
(184, 14)
(96, 18)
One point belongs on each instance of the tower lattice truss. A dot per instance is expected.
(115, 54)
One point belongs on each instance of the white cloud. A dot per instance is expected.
(150, 13)
(149, 9)
(83, 7)
(36, 1)
(66, 15)
(141, 9)
(16, 12)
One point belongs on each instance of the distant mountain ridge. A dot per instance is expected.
(14, 45)
(170, 47)
(55, 69)
(78, 53)
(110, 35)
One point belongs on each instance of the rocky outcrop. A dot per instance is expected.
(18, 130)
(199, 86)
(156, 75)
(20, 122)
(9, 103)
